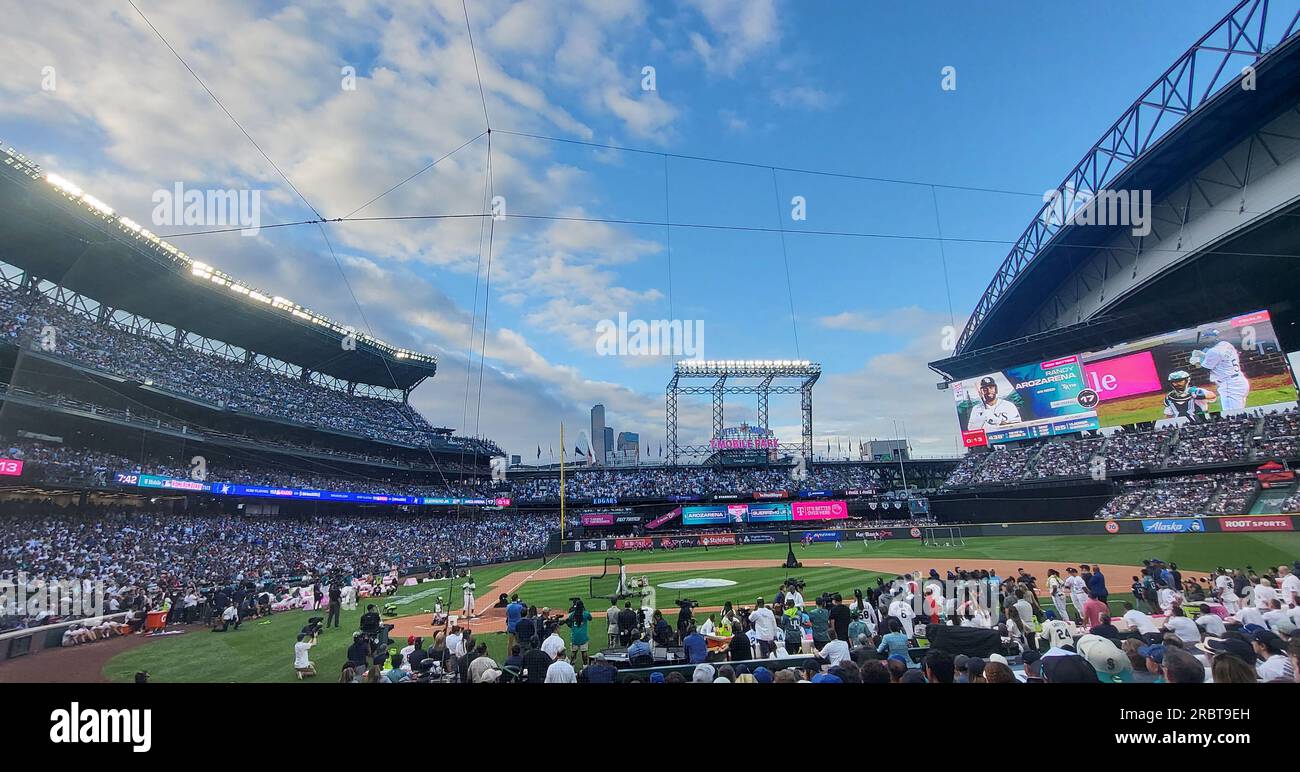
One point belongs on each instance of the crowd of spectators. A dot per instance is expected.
(218, 380)
(1218, 441)
(1230, 493)
(134, 551)
(1066, 458)
(1004, 465)
(1230, 626)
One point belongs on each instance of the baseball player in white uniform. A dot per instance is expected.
(468, 589)
(1078, 590)
(992, 411)
(1224, 364)
(1055, 586)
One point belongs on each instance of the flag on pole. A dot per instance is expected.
(539, 451)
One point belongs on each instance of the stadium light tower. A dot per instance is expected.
(765, 371)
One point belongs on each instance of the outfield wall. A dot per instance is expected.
(1162, 525)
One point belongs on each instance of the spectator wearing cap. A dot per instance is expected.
(1068, 668)
(1276, 666)
(1179, 667)
(600, 671)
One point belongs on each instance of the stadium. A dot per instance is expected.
(206, 482)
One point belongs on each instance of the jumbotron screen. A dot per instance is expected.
(1226, 366)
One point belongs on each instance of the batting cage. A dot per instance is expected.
(942, 536)
(610, 583)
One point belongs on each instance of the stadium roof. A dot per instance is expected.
(1195, 112)
(52, 229)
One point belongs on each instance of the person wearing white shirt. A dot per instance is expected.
(1228, 597)
(553, 645)
(1167, 597)
(560, 671)
(1142, 623)
(764, 626)
(707, 627)
(1249, 615)
(1264, 594)
(1078, 590)
(1278, 619)
(835, 650)
(1184, 628)
(1211, 624)
(302, 663)
(1290, 584)
(903, 612)
(455, 643)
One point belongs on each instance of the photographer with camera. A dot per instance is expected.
(685, 617)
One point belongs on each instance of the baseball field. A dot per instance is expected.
(262, 650)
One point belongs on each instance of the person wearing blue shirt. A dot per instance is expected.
(697, 650)
(640, 648)
(514, 612)
(895, 641)
(1098, 584)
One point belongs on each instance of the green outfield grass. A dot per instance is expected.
(263, 652)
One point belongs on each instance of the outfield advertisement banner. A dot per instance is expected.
(704, 515)
(1174, 525)
(634, 544)
(717, 539)
(1256, 523)
(819, 510)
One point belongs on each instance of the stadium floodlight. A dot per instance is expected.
(98, 205)
(67, 186)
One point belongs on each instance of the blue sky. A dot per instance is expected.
(843, 87)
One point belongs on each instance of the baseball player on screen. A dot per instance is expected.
(991, 412)
(1185, 400)
(1224, 364)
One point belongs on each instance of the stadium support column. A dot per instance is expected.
(670, 420)
(806, 406)
(719, 389)
(764, 391)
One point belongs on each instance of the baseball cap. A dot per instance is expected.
(827, 678)
(1233, 645)
(656, 677)
(1270, 640)
(1029, 657)
(1001, 660)
(988, 381)
(975, 666)
(901, 658)
(960, 661)
(1154, 651)
(912, 677)
(598, 655)
(1069, 669)
(1102, 653)
(762, 675)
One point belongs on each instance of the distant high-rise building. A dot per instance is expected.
(609, 442)
(598, 430)
(629, 444)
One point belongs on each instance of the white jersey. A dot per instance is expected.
(1000, 413)
(1223, 362)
